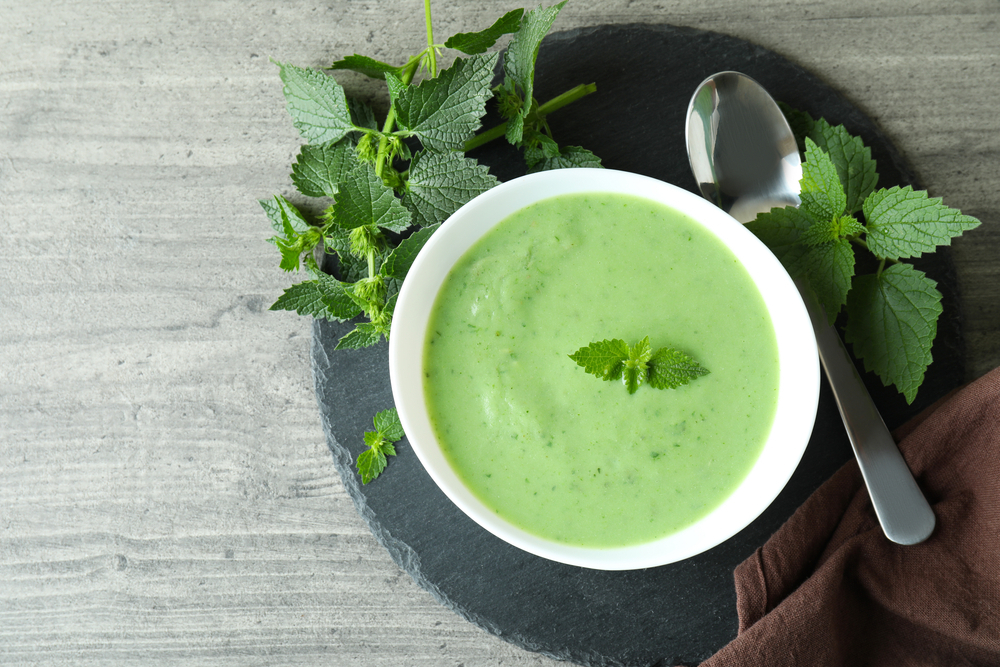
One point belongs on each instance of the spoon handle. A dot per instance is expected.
(902, 510)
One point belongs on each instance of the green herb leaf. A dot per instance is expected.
(830, 267)
(387, 423)
(853, 160)
(569, 156)
(519, 62)
(319, 169)
(283, 215)
(669, 369)
(365, 201)
(781, 230)
(401, 258)
(903, 222)
(444, 112)
(891, 325)
(370, 67)
(365, 334)
(635, 369)
(825, 231)
(474, 43)
(440, 183)
(605, 359)
(322, 298)
(822, 193)
(372, 461)
(317, 104)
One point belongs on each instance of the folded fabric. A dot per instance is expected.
(829, 588)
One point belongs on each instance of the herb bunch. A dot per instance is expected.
(385, 185)
(892, 313)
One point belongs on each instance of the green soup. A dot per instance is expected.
(561, 453)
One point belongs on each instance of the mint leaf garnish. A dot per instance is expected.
(317, 104)
(903, 222)
(613, 359)
(669, 369)
(319, 169)
(891, 324)
(444, 112)
(636, 366)
(440, 183)
(372, 461)
(605, 359)
(473, 43)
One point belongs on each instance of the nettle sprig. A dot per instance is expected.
(385, 186)
(615, 360)
(892, 313)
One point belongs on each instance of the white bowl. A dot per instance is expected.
(798, 383)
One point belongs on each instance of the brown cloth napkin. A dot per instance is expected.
(828, 588)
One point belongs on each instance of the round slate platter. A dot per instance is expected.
(675, 614)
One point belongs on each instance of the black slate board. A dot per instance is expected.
(675, 614)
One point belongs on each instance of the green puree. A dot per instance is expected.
(561, 453)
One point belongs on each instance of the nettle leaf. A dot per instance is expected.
(283, 215)
(370, 67)
(319, 169)
(522, 52)
(387, 423)
(635, 370)
(569, 156)
(473, 43)
(822, 193)
(365, 334)
(903, 222)
(670, 368)
(605, 359)
(399, 261)
(323, 298)
(891, 324)
(853, 160)
(440, 183)
(830, 269)
(445, 112)
(824, 231)
(317, 104)
(338, 302)
(364, 200)
(781, 230)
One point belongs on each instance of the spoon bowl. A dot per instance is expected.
(742, 150)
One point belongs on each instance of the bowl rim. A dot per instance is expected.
(798, 385)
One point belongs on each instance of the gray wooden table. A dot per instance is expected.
(166, 494)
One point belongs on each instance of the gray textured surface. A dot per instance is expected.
(166, 494)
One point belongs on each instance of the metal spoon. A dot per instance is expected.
(744, 157)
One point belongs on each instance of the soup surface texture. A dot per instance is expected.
(564, 454)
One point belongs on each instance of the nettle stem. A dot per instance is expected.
(431, 50)
(557, 102)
